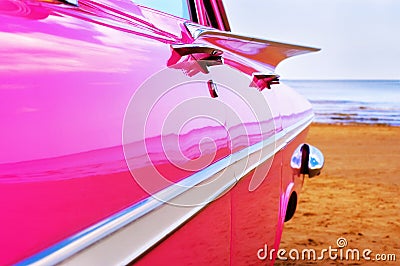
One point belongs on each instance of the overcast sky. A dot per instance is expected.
(360, 39)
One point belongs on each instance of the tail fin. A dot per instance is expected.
(268, 53)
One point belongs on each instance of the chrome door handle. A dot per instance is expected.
(204, 56)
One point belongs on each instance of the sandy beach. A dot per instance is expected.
(356, 197)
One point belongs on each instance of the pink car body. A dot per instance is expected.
(67, 193)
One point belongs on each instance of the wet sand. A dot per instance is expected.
(356, 197)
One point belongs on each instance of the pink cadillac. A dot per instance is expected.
(144, 132)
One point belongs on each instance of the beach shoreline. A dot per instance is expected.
(352, 101)
(356, 196)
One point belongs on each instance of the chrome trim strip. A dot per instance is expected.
(178, 223)
(72, 245)
(296, 128)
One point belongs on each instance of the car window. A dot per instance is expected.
(179, 8)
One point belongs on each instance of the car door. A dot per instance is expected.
(255, 129)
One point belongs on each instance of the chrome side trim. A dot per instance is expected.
(136, 217)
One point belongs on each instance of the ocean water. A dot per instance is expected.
(352, 101)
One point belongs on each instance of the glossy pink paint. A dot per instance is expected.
(66, 77)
